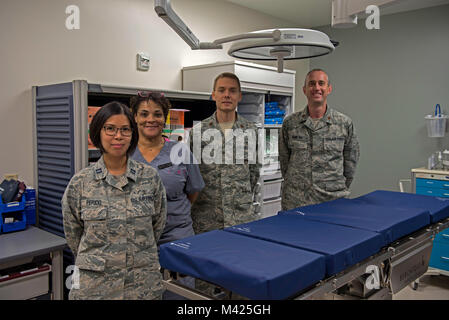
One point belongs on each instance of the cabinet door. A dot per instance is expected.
(54, 151)
(251, 107)
(440, 256)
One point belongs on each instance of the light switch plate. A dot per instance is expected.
(143, 61)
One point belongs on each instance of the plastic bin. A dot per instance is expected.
(12, 209)
(14, 226)
(271, 105)
(255, 98)
(12, 206)
(252, 117)
(271, 207)
(278, 120)
(272, 189)
(30, 206)
(248, 108)
(273, 114)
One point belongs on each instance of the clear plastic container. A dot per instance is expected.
(436, 125)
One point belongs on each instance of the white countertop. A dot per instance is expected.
(424, 170)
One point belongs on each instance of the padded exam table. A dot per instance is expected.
(314, 250)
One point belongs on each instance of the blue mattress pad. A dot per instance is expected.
(391, 222)
(253, 268)
(342, 246)
(438, 207)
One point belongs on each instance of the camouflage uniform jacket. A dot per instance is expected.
(227, 198)
(112, 226)
(318, 161)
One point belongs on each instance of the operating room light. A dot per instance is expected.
(293, 44)
(275, 44)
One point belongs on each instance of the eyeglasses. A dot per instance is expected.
(112, 131)
(150, 94)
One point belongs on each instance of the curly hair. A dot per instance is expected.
(156, 97)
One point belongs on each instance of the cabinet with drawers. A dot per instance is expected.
(435, 183)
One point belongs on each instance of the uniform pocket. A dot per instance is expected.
(95, 227)
(333, 185)
(143, 206)
(89, 281)
(94, 214)
(90, 262)
(298, 145)
(333, 152)
(140, 216)
(243, 202)
(147, 258)
(299, 151)
(334, 144)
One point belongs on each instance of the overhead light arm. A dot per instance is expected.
(274, 44)
(344, 12)
(164, 11)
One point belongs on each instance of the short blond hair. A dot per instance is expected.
(227, 75)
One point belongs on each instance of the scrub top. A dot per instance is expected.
(179, 180)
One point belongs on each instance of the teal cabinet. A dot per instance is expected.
(435, 184)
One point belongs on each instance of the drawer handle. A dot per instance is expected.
(445, 194)
(445, 258)
(429, 182)
(445, 185)
(445, 235)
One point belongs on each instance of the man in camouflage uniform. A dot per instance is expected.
(228, 195)
(112, 226)
(230, 175)
(318, 149)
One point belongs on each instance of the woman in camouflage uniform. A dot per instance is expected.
(114, 212)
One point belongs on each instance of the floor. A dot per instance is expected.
(430, 287)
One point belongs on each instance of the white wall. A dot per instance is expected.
(37, 49)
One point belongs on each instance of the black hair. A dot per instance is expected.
(157, 98)
(108, 110)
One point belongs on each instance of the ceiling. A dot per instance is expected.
(315, 13)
